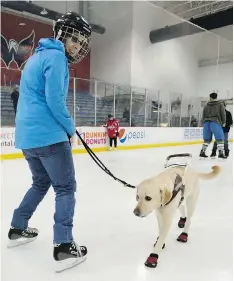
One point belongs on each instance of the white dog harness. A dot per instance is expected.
(179, 185)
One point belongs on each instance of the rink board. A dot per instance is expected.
(129, 138)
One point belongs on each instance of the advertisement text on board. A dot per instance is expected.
(93, 137)
(127, 136)
(193, 133)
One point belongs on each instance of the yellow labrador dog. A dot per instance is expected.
(166, 192)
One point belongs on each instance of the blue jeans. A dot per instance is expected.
(225, 142)
(210, 128)
(50, 165)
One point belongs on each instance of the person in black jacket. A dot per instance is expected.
(226, 129)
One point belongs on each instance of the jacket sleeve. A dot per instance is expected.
(55, 70)
(222, 114)
(229, 118)
(203, 114)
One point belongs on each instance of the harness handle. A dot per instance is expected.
(176, 156)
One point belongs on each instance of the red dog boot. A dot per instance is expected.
(183, 237)
(181, 222)
(152, 261)
(156, 243)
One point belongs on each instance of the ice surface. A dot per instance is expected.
(118, 242)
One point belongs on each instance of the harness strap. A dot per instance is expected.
(178, 187)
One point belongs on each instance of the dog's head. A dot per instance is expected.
(151, 194)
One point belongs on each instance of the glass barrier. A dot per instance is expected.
(169, 75)
(91, 101)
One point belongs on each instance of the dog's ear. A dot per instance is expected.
(166, 195)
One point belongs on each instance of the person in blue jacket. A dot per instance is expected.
(44, 128)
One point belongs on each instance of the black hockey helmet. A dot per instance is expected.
(71, 26)
(213, 96)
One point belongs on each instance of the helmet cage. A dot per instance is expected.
(66, 33)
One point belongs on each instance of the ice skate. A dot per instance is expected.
(213, 154)
(226, 151)
(19, 237)
(68, 255)
(203, 155)
(221, 155)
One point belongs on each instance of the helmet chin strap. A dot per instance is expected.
(66, 52)
(58, 38)
(69, 57)
(59, 34)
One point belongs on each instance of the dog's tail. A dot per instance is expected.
(215, 171)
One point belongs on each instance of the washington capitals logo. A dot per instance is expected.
(16, 53)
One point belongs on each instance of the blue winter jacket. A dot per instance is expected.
(42, 116)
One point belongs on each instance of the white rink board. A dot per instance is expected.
(8, 141)
(96, 137)
(135, 136)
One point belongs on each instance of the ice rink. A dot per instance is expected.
(118, 242)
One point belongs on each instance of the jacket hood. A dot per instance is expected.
(50, 43)
(215, 102)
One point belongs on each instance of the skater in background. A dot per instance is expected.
(213, 118)
(43, 129)
(112, 126)
(15, 97)
(226, 129)
(126, 116)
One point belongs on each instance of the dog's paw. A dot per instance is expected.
(183, 237)
(156, 243)
(181, 222)
(152, 261)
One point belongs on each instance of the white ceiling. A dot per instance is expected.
(225, 32)
(193, 9)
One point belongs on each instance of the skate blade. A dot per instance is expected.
(203, 158)
(222, 159)
(68, 263)
(20, 241)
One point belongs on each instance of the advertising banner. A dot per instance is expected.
(8, 141)
(93, 136)
(193, 133)
(129, 138)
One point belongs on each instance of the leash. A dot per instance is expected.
(100, 164)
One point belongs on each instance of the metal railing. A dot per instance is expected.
(132, 106)
(90, 101)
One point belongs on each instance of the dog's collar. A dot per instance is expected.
(178, 186)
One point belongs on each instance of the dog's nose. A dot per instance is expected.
(137, 212)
